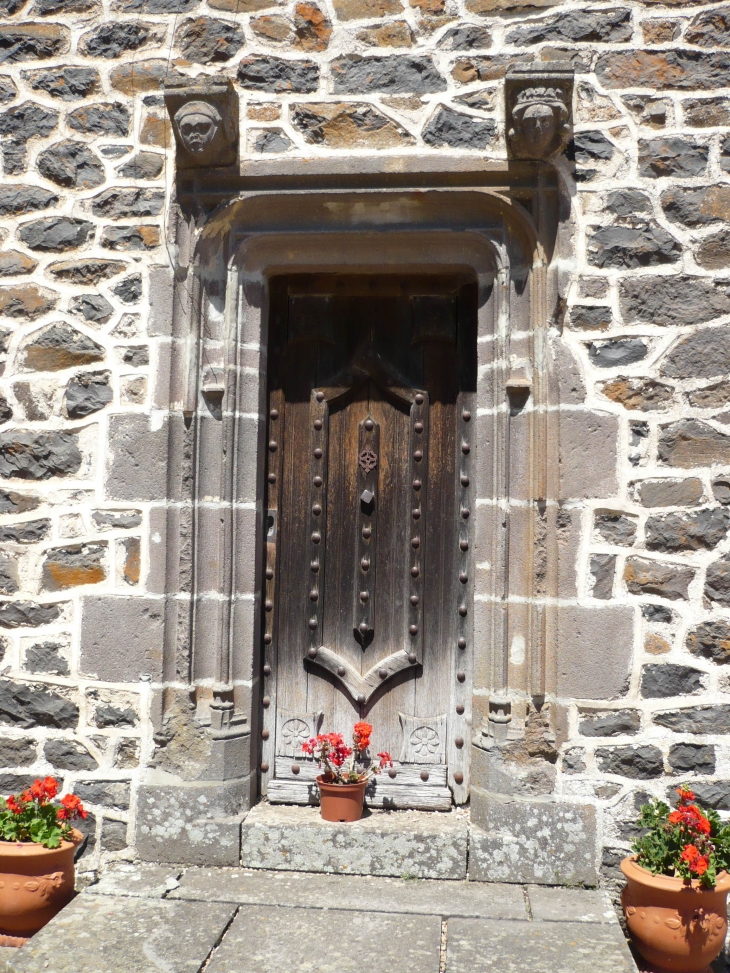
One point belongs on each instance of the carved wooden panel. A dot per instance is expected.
(294, 729)
(424, 739)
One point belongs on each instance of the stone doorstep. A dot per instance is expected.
(415, 844)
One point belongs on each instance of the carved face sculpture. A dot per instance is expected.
(198, 123)
(538, 128)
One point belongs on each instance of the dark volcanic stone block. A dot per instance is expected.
(662, 680)
(629, 247)
(396, 74)
(696, 719)
(696, 531)
(460, 131)
(71, 164)
(692, 758)
(67, 83)
(26, 614)
(56, 233)
(617, 352)
(672, 300)
(639, 763)
(60, 347)
(710, 640)
(29, 706)
(38, 455)
(278, 74)
(68, 755)
(609, 723)
(690, 443)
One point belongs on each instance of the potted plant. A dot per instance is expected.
(675, 898)
(37, 845)
(347, 771)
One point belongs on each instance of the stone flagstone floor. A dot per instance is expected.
(154, 919)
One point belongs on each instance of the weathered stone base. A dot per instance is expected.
(397, 843)
(539, 841)
(192, 823)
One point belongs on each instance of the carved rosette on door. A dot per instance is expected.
(362, 687)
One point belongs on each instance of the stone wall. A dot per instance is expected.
(87, 164)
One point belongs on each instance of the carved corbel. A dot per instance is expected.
(538, 109)
(205, 122)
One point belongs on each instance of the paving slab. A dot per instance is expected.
(352, 893)
(271, 940)
(501, 946)
(418, 844)
(139, 881)
(116, 934)
(570, 905)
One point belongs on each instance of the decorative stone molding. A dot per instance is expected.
(205, 123)
(539, 110)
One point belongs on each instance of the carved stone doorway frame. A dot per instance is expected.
(496, 221)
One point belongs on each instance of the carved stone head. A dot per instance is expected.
(198, 123)
(205, 122)
(540, 126)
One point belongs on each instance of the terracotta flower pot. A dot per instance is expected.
(340, 802)
(35, 884)
(676, 925)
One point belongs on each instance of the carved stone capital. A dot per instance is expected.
(538, 109)
(205, 122)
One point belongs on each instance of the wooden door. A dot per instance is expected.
(367, 606)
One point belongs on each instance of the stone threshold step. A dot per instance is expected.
(414, 844)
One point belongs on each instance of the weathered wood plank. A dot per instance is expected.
(406, 774)
(396, 797)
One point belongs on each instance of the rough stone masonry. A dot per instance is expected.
(87, 165)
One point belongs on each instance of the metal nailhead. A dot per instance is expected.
(316, 510)
(271, 477)
(267, 670)
(314, 566)
(364, 596)
(318, 424)
(267, 639)
(465, 481)
(462, 643)
(392, 773)
(269, 574)
(368, 424)
(466, 415)
(460, 709)
(264, 767)
(314, 595)
(367, 532)
(264, 734)
(418, 426)
(268, 605)
(413, 629)
(363, 626)
(316, 537)
(419, 399)
(415, 571)
(461, 676)
(416, 542)
(295, 768)
(273, 446)
(458, 777)
(318, 453)
(416, 514)
(340, 670)
(312, 625)
(317, 481)
(416, 484)
(365, 563)
(459, 743)
(274, 413)
(266, 702)
(418, 455)
(414, 599)
(463, 577)
(312, 651)
(425, 775)
(383, 673)
(319, 396)
(465, 448)
(465, 513)
(462, 610)
(464, 545)
(361, 698)
(412, 658)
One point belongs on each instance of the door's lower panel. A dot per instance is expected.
(407, 789)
